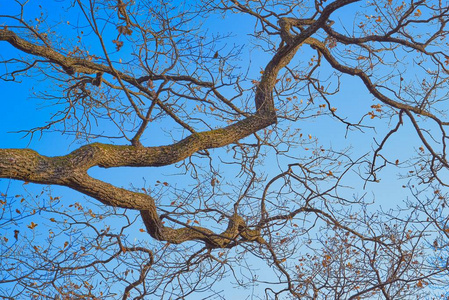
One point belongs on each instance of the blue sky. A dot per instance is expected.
(22, 111)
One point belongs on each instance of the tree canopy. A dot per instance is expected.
(300, 146)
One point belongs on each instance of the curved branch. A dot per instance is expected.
(368, 83)
(71, 170)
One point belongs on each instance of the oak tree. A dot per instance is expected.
(278, 128)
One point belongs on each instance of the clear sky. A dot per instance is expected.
(23, 111)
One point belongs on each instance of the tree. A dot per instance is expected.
(157, 84)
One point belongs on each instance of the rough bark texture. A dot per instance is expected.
(71, 170)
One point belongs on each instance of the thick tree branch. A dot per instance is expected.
(71, 170)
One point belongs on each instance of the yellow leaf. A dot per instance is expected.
(142, 230)
(32, 225)
(418, 13)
